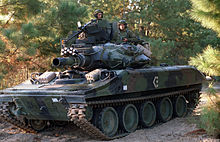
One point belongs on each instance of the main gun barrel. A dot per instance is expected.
(72, 61)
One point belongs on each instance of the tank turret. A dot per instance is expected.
(109, 55)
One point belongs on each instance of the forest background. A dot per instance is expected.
(31, 30)
(179, 32)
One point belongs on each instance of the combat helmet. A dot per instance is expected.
(96, 13)
(123, 22)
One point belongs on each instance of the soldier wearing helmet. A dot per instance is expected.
(102, 24)
(98, 14)
(125, 35)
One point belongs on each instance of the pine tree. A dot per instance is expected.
(208, 62)
(32, 30)
(207, 12)
(175, 35)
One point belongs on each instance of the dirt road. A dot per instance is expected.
(178, 129)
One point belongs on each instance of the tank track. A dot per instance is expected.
(6, 115)
(77, 116)
(76, 113)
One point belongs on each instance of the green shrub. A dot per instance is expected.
(210, 120)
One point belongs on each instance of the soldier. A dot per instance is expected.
(98, 30)
(125, 35)
(102, 24)
(98, 14)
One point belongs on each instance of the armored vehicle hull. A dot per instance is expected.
(106, 104)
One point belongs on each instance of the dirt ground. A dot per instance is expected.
(178, 129)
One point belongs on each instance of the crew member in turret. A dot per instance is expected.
(125, 35)
(103, 25)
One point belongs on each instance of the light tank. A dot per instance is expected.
(108, 90)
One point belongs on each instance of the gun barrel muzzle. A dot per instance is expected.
(78, 60)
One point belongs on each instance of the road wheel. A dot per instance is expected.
(147, 114)
(165, 109)
(38, 125)
(89, 113)
(108, 121)
(180, 106)
(129, 118)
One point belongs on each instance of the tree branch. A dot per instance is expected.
(12, 3)
(4, 26)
